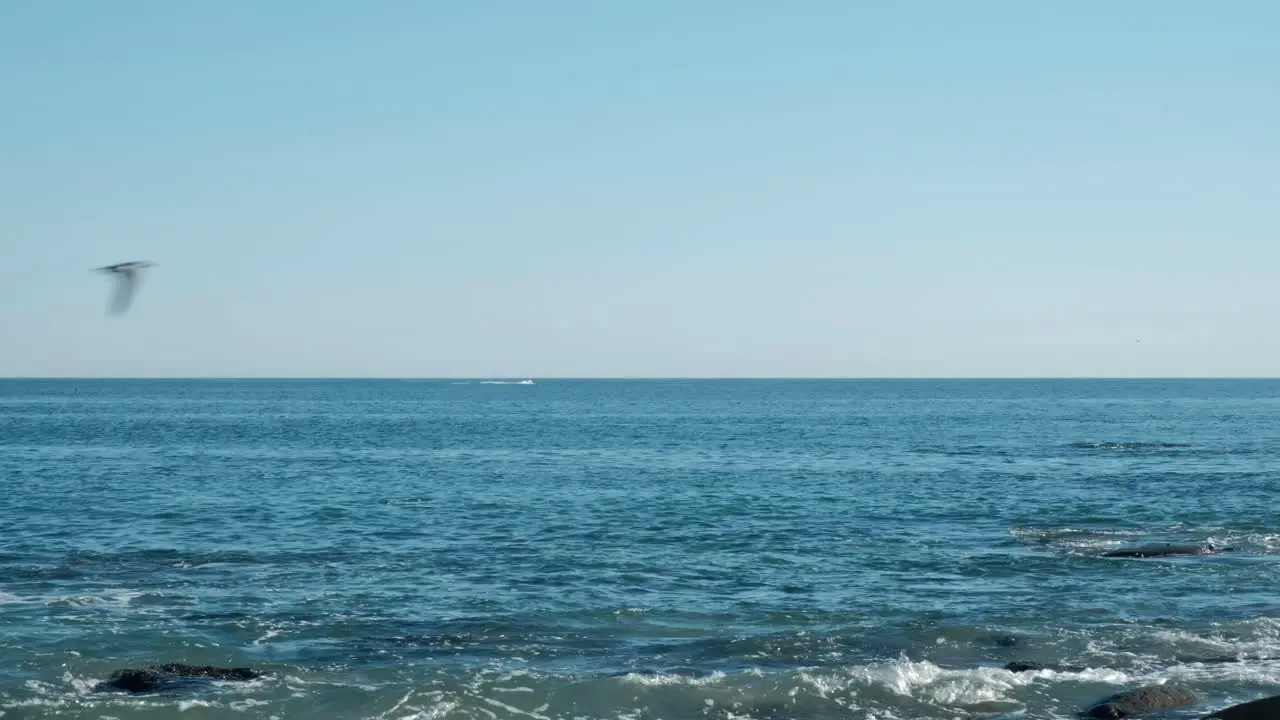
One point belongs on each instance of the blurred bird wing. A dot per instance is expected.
(126, 284)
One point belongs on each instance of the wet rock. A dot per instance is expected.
(1142, 700)
(1266, 708)
(1163, 550)
(1029, 666)
(162, 677)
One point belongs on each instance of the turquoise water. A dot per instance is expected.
(638, 549)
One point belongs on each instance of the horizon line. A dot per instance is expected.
(627, 378)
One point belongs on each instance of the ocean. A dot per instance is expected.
(674, 549)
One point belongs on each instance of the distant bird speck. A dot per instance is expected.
(127, 275)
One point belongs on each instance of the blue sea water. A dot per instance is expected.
(635, 549)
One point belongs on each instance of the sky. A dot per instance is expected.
(721, 188)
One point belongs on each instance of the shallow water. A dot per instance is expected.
(640, 549)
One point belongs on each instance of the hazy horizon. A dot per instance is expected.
(508, 379)
(658, 190)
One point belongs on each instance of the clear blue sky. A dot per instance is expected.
(657, 188)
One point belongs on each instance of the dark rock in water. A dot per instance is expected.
(1163, 550)
(1267, 708)
(1026, 666)
(1142, 700)
(1191, 659)
(159, 677)
(1202, 660)
(655, 672)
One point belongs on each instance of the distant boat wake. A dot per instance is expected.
(506, 382)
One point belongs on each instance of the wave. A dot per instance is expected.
(890, 689)
(1080, 540)
(1128, 446)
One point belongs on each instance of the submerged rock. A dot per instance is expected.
(993, 707)
(160, 677)
(687, 672)
(1029, 666)
(1006, 641)
(1163, 550)
(1264, 709)
(1142, 700)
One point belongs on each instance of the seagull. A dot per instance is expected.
(127, 277)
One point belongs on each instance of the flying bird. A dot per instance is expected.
(127, 275)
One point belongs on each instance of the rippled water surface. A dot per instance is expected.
(639, 549)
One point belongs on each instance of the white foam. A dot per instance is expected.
(1034, 532)
(80, 685)
(924, 680)
(631, 611)
(398, 705)
(441, 710)
(424, 714)
(11, 599)
(1252, 672)
(1076, 538)
(520, 689)
(515, 710)
(664, 679)
(117, 599)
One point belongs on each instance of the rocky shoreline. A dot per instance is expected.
(1129, 703)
